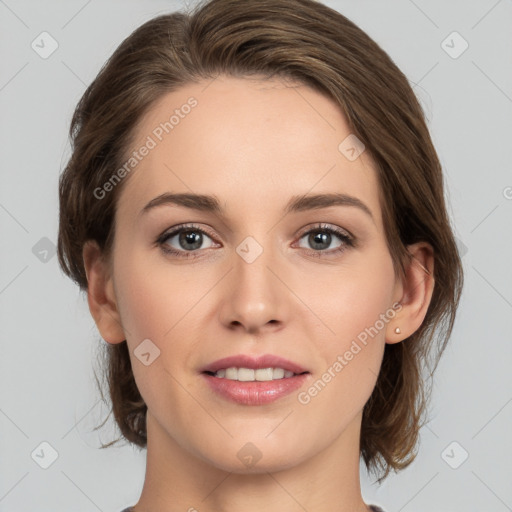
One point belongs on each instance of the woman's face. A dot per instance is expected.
(252, 276)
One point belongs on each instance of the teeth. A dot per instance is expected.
(250, 375)
(232, 373)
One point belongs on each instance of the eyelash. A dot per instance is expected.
(346, 239)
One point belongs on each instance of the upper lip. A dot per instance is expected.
(255, 363)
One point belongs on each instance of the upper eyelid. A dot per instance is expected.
(323, 226)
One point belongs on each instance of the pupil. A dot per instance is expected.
(320, 238)
(192, 238)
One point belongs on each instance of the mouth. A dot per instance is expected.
(254, 381)
(253, 375)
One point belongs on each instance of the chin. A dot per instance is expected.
(271, 464)
(260, 456)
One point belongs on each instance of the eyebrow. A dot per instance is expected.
(211, 204)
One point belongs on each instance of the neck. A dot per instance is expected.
(177, 479)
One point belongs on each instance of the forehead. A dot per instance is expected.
(247, 141)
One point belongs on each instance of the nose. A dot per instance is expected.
(254, 300)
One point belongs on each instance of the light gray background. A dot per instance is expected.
(49, 340)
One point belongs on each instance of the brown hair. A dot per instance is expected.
(310, 43)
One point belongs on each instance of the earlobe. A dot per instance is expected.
(417, 287)
(100, 294)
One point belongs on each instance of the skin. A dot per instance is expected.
(253, 144)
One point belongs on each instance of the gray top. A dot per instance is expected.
(373, 507)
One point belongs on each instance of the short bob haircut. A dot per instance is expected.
(312, 44)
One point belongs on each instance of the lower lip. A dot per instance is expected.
(256, 392)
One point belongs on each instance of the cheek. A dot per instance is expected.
(152, 299)
(363, 300)
(160, 303)
(354, 303)
(153, 306)
(140, 305)
(351, 298)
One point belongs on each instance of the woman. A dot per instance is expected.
(256, 211)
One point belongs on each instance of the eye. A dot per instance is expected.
(184, 240)
(322, 237)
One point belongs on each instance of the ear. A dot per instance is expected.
(100, 294)
(414, 293)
